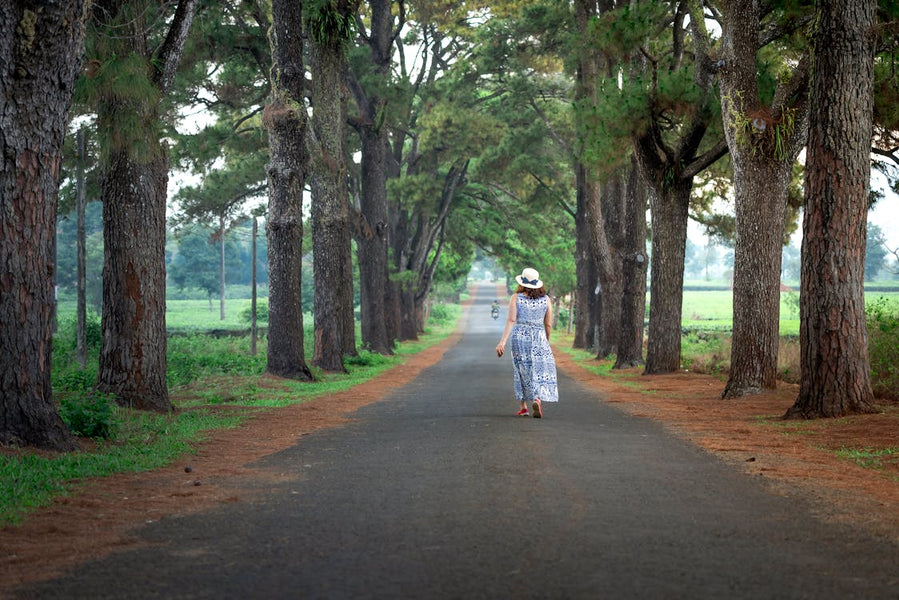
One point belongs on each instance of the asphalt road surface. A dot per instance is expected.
(441, 491)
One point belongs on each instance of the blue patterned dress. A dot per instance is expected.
(532, 358)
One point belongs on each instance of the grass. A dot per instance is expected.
(145, 441)
(203, 373)
(870, 458)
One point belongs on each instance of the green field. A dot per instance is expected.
(713, 310)
(191, 314)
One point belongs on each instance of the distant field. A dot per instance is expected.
(714, 309)
(702, 309)
(191, 314)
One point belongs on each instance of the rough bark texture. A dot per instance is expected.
(634, 264)
(372, 238)
(286, 121)
(760, 198)
(835, 370)
(669, 239)
(134, 180)
(330, 207)
(40, 55)
(133, 354)
(608, 237)
(221, 234)
(81, 254)
(762, 173)
(585, 269)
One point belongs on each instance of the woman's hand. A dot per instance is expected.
(500, 349)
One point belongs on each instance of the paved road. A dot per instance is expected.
(441, 491)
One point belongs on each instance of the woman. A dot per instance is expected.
(529, 324)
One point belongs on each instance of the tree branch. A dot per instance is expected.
(702, 162)
(168, 55)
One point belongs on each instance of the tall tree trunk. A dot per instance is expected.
(760, 190)
(669, 160)
(372, 244)
(330, 206)
(372, 240)
(286, 121)
(254, 330)
(634, 263)
(607, 241)
(81, 252)
(133, 354)
(222, 267)
(669, 238)
(833, 336)
(762, 171)
(134, 179)
(40, 56)
(585, 269)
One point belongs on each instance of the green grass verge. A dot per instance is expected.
(206, 373)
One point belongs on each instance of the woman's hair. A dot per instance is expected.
(532, 292)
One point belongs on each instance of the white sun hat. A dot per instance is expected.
(529, 278)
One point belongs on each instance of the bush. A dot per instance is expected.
(441, 314)
(89, 414)
(74, 379)
(883, 347)
(246, 315)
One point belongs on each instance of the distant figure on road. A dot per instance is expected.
(494, 309)
(529, 324)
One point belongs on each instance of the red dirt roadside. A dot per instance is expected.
(795, 458)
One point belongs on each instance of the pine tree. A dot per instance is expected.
(40, 56)
(833, 335)
(133, 56)
(286, 121)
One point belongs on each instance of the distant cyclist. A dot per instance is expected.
(494, 309)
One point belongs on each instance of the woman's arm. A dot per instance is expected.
(510, 322)
(548, 317)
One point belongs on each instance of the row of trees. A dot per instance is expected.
(539, 131)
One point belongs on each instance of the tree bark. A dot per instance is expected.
(669, 207)
(222, 266)
(762, 171)
(331, 240)
(81, 252)
(286, 121)
(372, 238)
(40, 56)
(133, 353)
(585, 269)
(760, 197)
(254, 330)
(134, 180)
(833, 336)
(607, 237)
(633, 271)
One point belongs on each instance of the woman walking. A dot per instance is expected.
(529, 324)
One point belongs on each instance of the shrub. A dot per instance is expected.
(246, 315)
(88, 414)
(440, 314)
(883, 347)
(74, 379)
(366, 358)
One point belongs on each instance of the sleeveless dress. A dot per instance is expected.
(532, 358)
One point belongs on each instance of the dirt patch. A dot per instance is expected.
(103, 515)
(796, 458)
